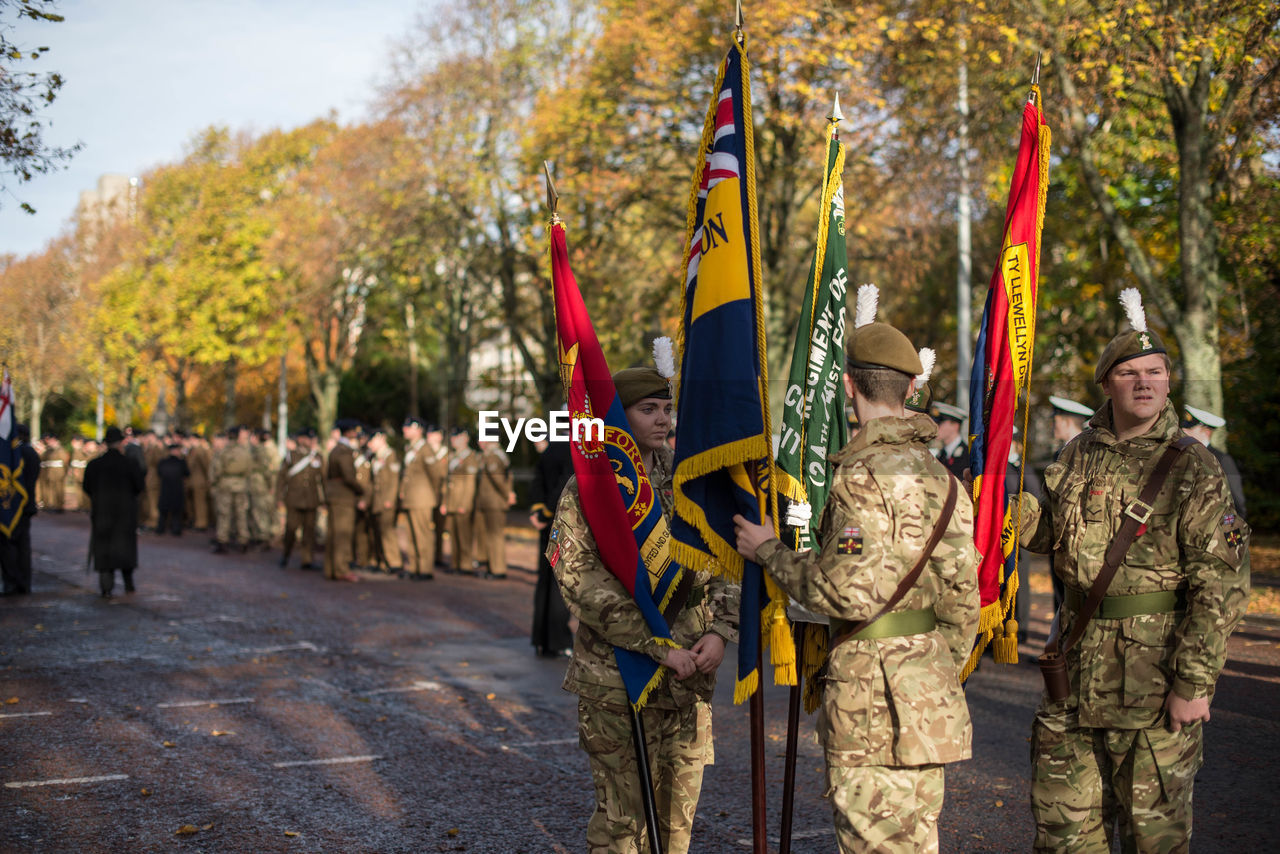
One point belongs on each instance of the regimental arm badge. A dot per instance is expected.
(849, 542)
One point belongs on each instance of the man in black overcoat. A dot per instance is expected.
(551, 634)
(113, 483)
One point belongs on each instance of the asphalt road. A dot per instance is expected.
(232, 706)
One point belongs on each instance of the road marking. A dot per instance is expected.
(196, 703)
(268, 650)
(26, 784)
(337, 760)
(25, 714)
(219, 618)
(550, 743)
(415, 686)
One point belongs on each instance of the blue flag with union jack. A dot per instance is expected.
(13, 495)
(724, 460)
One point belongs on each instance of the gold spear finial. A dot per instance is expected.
(1035, 77)
(553, 198)
(738, 21)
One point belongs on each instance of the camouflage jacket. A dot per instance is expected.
(608, 616)
(1123, 669)
(890, 701)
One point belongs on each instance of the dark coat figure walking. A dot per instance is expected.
(551, 634)
(113, 483)
(173, 473)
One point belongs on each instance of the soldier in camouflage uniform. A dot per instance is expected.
(1126, 743)
(229, 475)
(262, 506)
(677, 714)
(893, 711)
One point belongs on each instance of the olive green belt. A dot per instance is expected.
(1119, 607)
(896, 624)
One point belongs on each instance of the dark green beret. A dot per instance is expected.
(1125, 346)
(635, 384)
(879, 345)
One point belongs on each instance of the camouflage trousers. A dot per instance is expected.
(886, 809)
(1089, 784)
(262, 515)
(679, 746)
(232, 512)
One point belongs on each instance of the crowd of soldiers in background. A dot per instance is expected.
(374, 508)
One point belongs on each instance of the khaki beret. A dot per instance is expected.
(1125, 346)
(635, 384)
(879, 345)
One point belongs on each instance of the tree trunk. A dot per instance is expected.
(37, 412)
(411, 330)
(229, 390)
(178, 376)
(327, 401)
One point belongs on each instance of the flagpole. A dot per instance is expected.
(759, 840)
(638, 739)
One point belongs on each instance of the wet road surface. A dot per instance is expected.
(232, 706)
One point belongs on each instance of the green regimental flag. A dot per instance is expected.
(813, 419)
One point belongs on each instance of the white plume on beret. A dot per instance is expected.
(928, 358)
(1131, 300)
(664, 357)
(865, 312)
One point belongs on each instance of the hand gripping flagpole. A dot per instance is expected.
(638, 740)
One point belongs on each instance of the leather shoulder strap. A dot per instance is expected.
(909, 580)
(1135, 516)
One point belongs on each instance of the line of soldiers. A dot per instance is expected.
(390, 513)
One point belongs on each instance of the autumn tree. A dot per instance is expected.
(1163, 107)
(41, 329)
(24, 153)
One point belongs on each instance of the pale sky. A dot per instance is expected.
(143, 76)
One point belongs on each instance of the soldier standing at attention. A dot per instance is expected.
(262, 505)
(419, 497)
(1124, 737)
(198, 460)
(460, 498)
(495, 492)
(677, 714)
(300, 488)
(230, 475)
(385, 468)
(896, 573)
(153, 451)
(361, 535)
(75, 472)
(53, 473)
(345, 497)
(437, 454)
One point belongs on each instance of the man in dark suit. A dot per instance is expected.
(1200, 424)
(954, 452)
(113, 483)
(551, 635)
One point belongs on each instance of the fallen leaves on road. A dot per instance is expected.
(11, 701)
(186, 830)
(169, 744)
(218, 732)
(146, 793)
(490, 696)
(291, 833)
(453, 831)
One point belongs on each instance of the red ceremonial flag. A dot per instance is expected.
(1001, 370)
